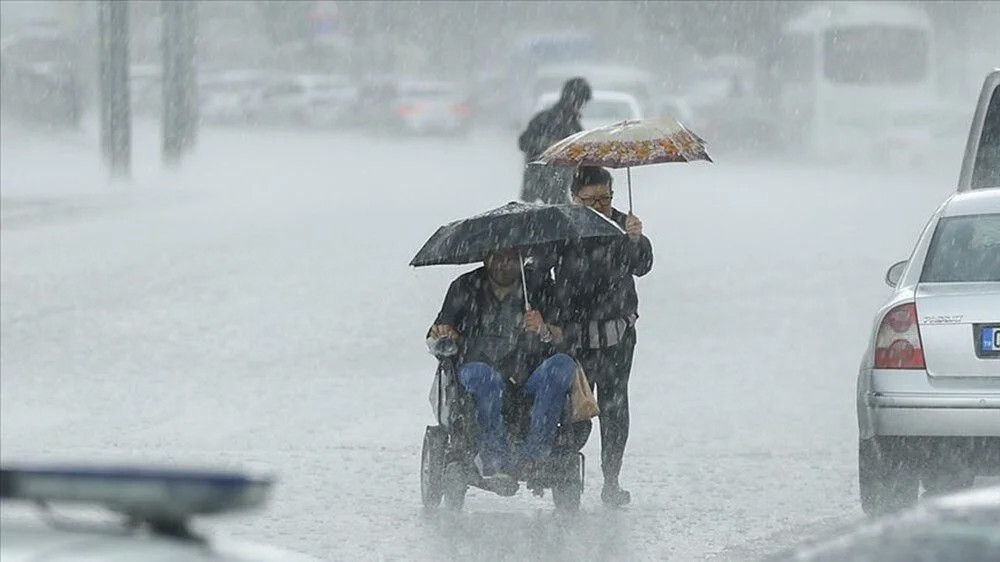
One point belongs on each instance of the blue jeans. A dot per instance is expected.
(549, 384)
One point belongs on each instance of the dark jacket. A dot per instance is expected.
(548, 127)
(594, 278)
(464, 307)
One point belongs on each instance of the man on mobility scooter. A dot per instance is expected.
(506, 354)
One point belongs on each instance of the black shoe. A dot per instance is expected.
(615, 496)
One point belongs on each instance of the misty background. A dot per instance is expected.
(696, 50)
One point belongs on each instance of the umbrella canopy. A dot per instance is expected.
(637, 142)
(514, 225)
(626, 144)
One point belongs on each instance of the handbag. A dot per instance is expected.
(583, 405)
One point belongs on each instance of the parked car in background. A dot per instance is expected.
(601, 76)
(432, 107)
(231, 96)
(374, 110)
(604, 108)
(40, 81)
(306, 99)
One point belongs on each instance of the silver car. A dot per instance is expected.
(928, 392)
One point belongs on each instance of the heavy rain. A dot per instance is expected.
(211, 212)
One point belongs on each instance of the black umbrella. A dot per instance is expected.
(515, 225)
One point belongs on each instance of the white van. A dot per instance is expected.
(981, 165)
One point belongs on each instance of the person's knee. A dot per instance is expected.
(479, 375)
(560, 369)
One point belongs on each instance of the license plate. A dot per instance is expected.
(989, 340)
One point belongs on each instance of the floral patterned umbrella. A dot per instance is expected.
(626, 144)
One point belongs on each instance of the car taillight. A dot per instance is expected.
(406, 109)
(897, 344)
(462, 109)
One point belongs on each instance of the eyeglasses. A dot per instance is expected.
(593, 201)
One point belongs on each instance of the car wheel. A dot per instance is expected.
(886, 479)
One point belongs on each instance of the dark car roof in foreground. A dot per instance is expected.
(963, 519)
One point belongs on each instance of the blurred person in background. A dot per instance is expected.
(550, 184)
(595, 292)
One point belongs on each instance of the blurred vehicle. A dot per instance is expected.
(39, 81)
(963, 526)
(428, 107)
(307, 99)
(677, 108)
(838, 63)
(928, 389)
(533, 51)
(231, 96)
(375, 106)
(920, 136)
(981, 165)
(731, 103)
(152, 510)
(627, 79)
(605, 107)
(487, 89)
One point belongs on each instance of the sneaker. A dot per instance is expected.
(615, 496)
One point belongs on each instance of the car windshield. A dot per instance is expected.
(964, 249)
(605, 110)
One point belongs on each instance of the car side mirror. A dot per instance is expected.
(895, 273)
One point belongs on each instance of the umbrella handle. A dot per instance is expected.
(524, 281)
(628, 174)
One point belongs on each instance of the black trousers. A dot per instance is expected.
(608, 369)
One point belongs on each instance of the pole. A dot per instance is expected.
(104, 72)
(171, 95)
(116, 130)
(190, 72)
(176, 111)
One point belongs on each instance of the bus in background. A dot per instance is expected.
(848, 73)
